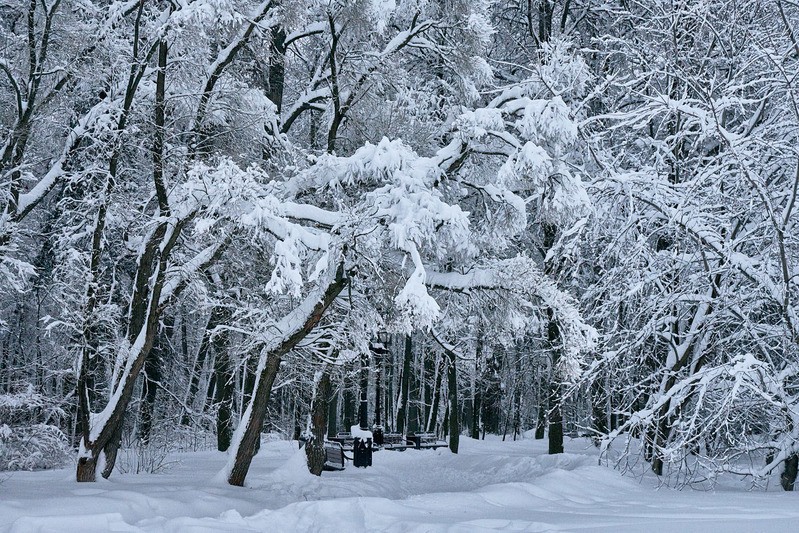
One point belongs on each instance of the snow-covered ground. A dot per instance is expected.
(490, 485)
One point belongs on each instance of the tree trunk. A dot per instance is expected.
(545, 12)
(474, 430)
(348, 397)
(315, 450)
(253, 420)
(433, 418)
(149, 389)
(555, 392)
(223, 393)
(402, 411)
(363, 405)
(332, 416)
(379, 354)
(152, 379)
(199, 364)
(788, 476)
(452, 392)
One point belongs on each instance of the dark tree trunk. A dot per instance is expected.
(517, 408)
(349, 403)
(545, 12)
(277, 68)
(149, 389)
(599, 416)
(555, 392)
(452, 392)
(541, 418)
(555, 395)
(315, 450)
(412, 424)
(661, 434)
(428, 379)
(363, 405)
(379, 354)
(564, 17)
(474, 430)
(225, 386)
(251, 370)
(433, 418)
(246, 448)
(788, 476)
(275, 83)
(332, 416)
(404, 384)
(152, 379)
(199, 364)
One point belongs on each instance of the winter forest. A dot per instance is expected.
(225, 223)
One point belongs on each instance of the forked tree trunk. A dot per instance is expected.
(253, 420)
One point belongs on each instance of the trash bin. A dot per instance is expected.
(362, 453)
(377, 433)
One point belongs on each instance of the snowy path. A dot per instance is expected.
(509, 486)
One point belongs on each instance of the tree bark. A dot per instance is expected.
(348, 397)
(555, 392)
(332, 416)
(244, 448)
(378, 353)
(789, 473)
(433, 418)
(363, 405)
(315, 450)
(474, 430)
(402, 410)
(452, 392)
(223, 393)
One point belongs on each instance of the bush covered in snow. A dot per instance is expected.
(28, 438)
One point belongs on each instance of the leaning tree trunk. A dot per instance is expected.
(103, 437)
(315, 450)
(248, 433)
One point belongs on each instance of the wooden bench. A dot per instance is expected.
(334, 456)
(344, 438)
(394, 441)
(425, 441)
